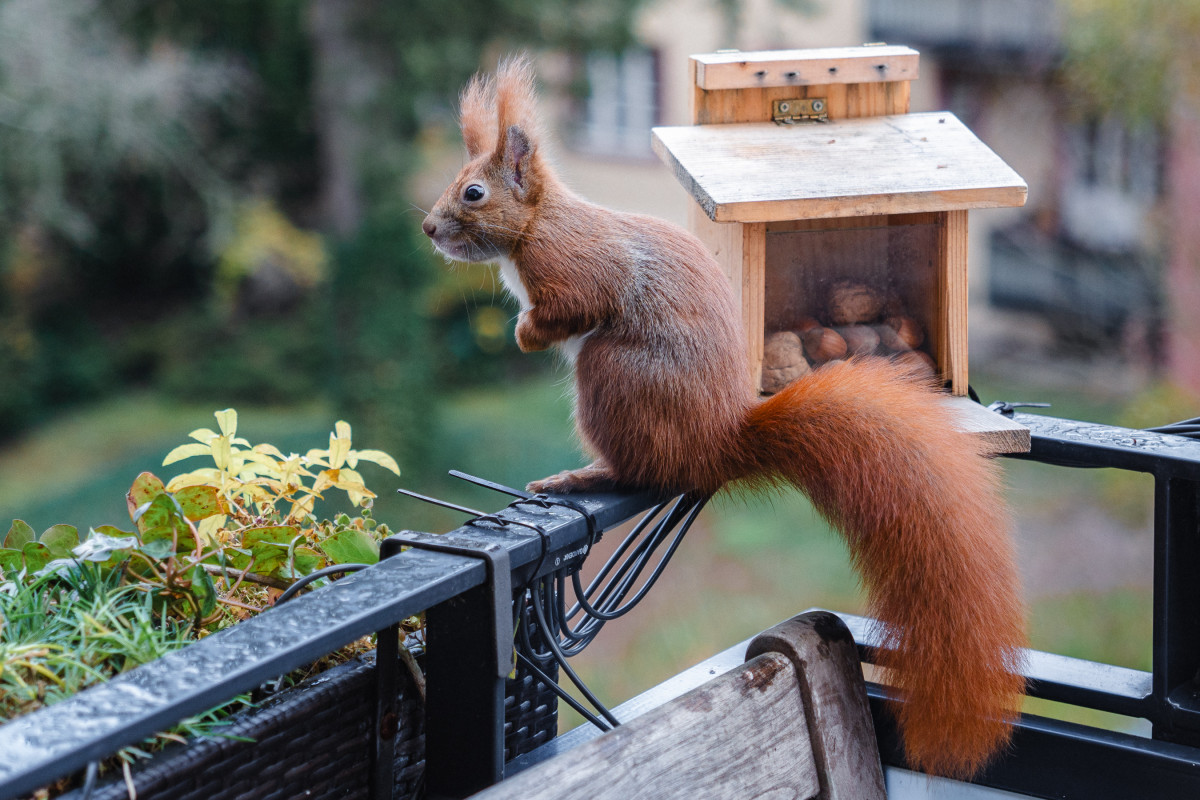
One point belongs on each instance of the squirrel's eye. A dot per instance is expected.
(474, 193)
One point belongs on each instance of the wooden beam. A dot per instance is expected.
(794, 68)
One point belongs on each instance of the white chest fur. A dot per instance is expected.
(570, 347)
(512, 281)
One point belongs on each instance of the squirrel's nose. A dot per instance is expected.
(429, 226)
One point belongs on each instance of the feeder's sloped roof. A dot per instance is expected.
(908, 163)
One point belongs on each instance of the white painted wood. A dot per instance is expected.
(901, 164)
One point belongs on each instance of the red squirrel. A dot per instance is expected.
(664, 400)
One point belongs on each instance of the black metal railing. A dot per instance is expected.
(1055, 759)
(470, 629)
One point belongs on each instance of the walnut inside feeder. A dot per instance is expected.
(853, 303)
(861, 340)
(783, 360)
(862, 321)
(821, 345)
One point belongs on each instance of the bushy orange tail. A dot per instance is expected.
(928, 530)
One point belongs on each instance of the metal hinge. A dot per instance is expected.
(799, 109)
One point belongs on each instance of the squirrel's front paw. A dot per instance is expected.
(589, 479)
(528, 337)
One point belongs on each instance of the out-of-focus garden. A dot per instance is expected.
(211, 204)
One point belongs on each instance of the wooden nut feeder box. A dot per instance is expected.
(831, 208)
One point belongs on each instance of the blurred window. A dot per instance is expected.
(1113, 179)
(621, 104)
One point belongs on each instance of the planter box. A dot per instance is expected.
(314, 741)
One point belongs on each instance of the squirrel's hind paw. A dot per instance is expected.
(591, 478)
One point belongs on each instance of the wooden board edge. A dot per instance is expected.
(663, 151)
(999, 433)
(778, 68)
(1011, 196)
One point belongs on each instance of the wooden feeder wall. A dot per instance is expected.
(874, 195)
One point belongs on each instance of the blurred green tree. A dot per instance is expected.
(1132, 58)
(109, 199)
(135, 137)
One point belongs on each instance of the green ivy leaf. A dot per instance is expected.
(10, 562)
(203, 590)
(110, 530)
(179, 542)
(145, 488)
(161, 513)
(198, 502)
(158, 549)
(304, 560)
(281, 535)
(237, 557)
(19, 535)
(351, 546)
(154, 513)
(60, 539)
(268, 557)
(36, 556)
(269, 546)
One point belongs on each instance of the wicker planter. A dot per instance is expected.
(314, 741)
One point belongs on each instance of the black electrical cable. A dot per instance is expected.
(685, 511)
(644, 544)
(562, 660)
(646, 586)
(1187, 427)
(607, 596)
(300, 583)
(567, 632)
(564, 694)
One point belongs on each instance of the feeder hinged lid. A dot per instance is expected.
(902, 164)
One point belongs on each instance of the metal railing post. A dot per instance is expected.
(1177, 610)
(469, 646)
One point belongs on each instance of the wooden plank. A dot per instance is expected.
(1001, 434)
(677, 685)
(743, 734)
(830, 65)
(822, 648)
(754, 105)
(849, 223)
(754, 294)
(741, 252)
(899, 164)
(950, 305)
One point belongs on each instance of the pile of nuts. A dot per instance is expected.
(862, 321)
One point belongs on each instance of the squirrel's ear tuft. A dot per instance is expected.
(516, 99)
(517, 161)
(477, 115)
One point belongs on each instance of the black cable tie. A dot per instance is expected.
(480, 516)
(493, 485)
(546, 501)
